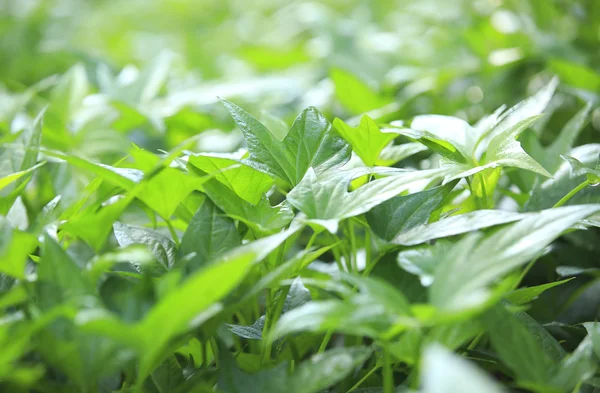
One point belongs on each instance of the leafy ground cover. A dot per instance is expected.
(157, 238)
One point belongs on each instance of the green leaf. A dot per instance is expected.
(14, 248)
(593, 175)
(402, 213)
(545, 194)
(526, 295)
(524, 346)
(60, 278)
(377, 308)
(262, 218)
(168, 376)
(454, 137)
(161, 246)
(310, 143)
(505, 151)
(455, 225)
(325, 198)
(206, 287)
(248, 183)
(66, 100)
(326, 369)
(395, 153)
(367, 140)
(21, 160)
(593, 329)
(95, 226)
(566, 139)
(423, 261)
(209, 235)
(354, 94)
(311, 376)
(466, 270)
(576, 368)
(576, 74)
(444, 372)
(526, 109)
(165, 191)
(13, 177)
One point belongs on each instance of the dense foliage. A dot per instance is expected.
(366, 196)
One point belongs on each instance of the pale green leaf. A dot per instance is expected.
(367, 140)
(456, 225)
(247, 182)
(465, 272)
(326, 197)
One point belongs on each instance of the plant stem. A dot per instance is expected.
(368, 250)
(473, 194)
(311, 241)
(571, 193)
(215, 351)
(352, 253)
(273, 315)
(388, 376)
(484, 191)
(172, 231)
(363, 379)
(325, 341)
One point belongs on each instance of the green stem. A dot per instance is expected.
(571, 193)
(325, 341)
(215, 351)
(272, 316)
(311, 241)
(484, 191)
(368, 249)
(353, 261)
(473, 194)
(204, 353)
(388, 376)
(172, 231)
(363, 379)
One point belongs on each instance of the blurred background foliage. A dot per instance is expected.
(158, 66)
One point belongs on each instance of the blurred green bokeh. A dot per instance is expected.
(462, 57)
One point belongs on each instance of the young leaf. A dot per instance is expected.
(593, 175)
(504, 150)
(545, 194)
(454, 138)
(310, 143)
(262, 218)
(326, 197)
(367, 140)
(525, 295)
(248, 183)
